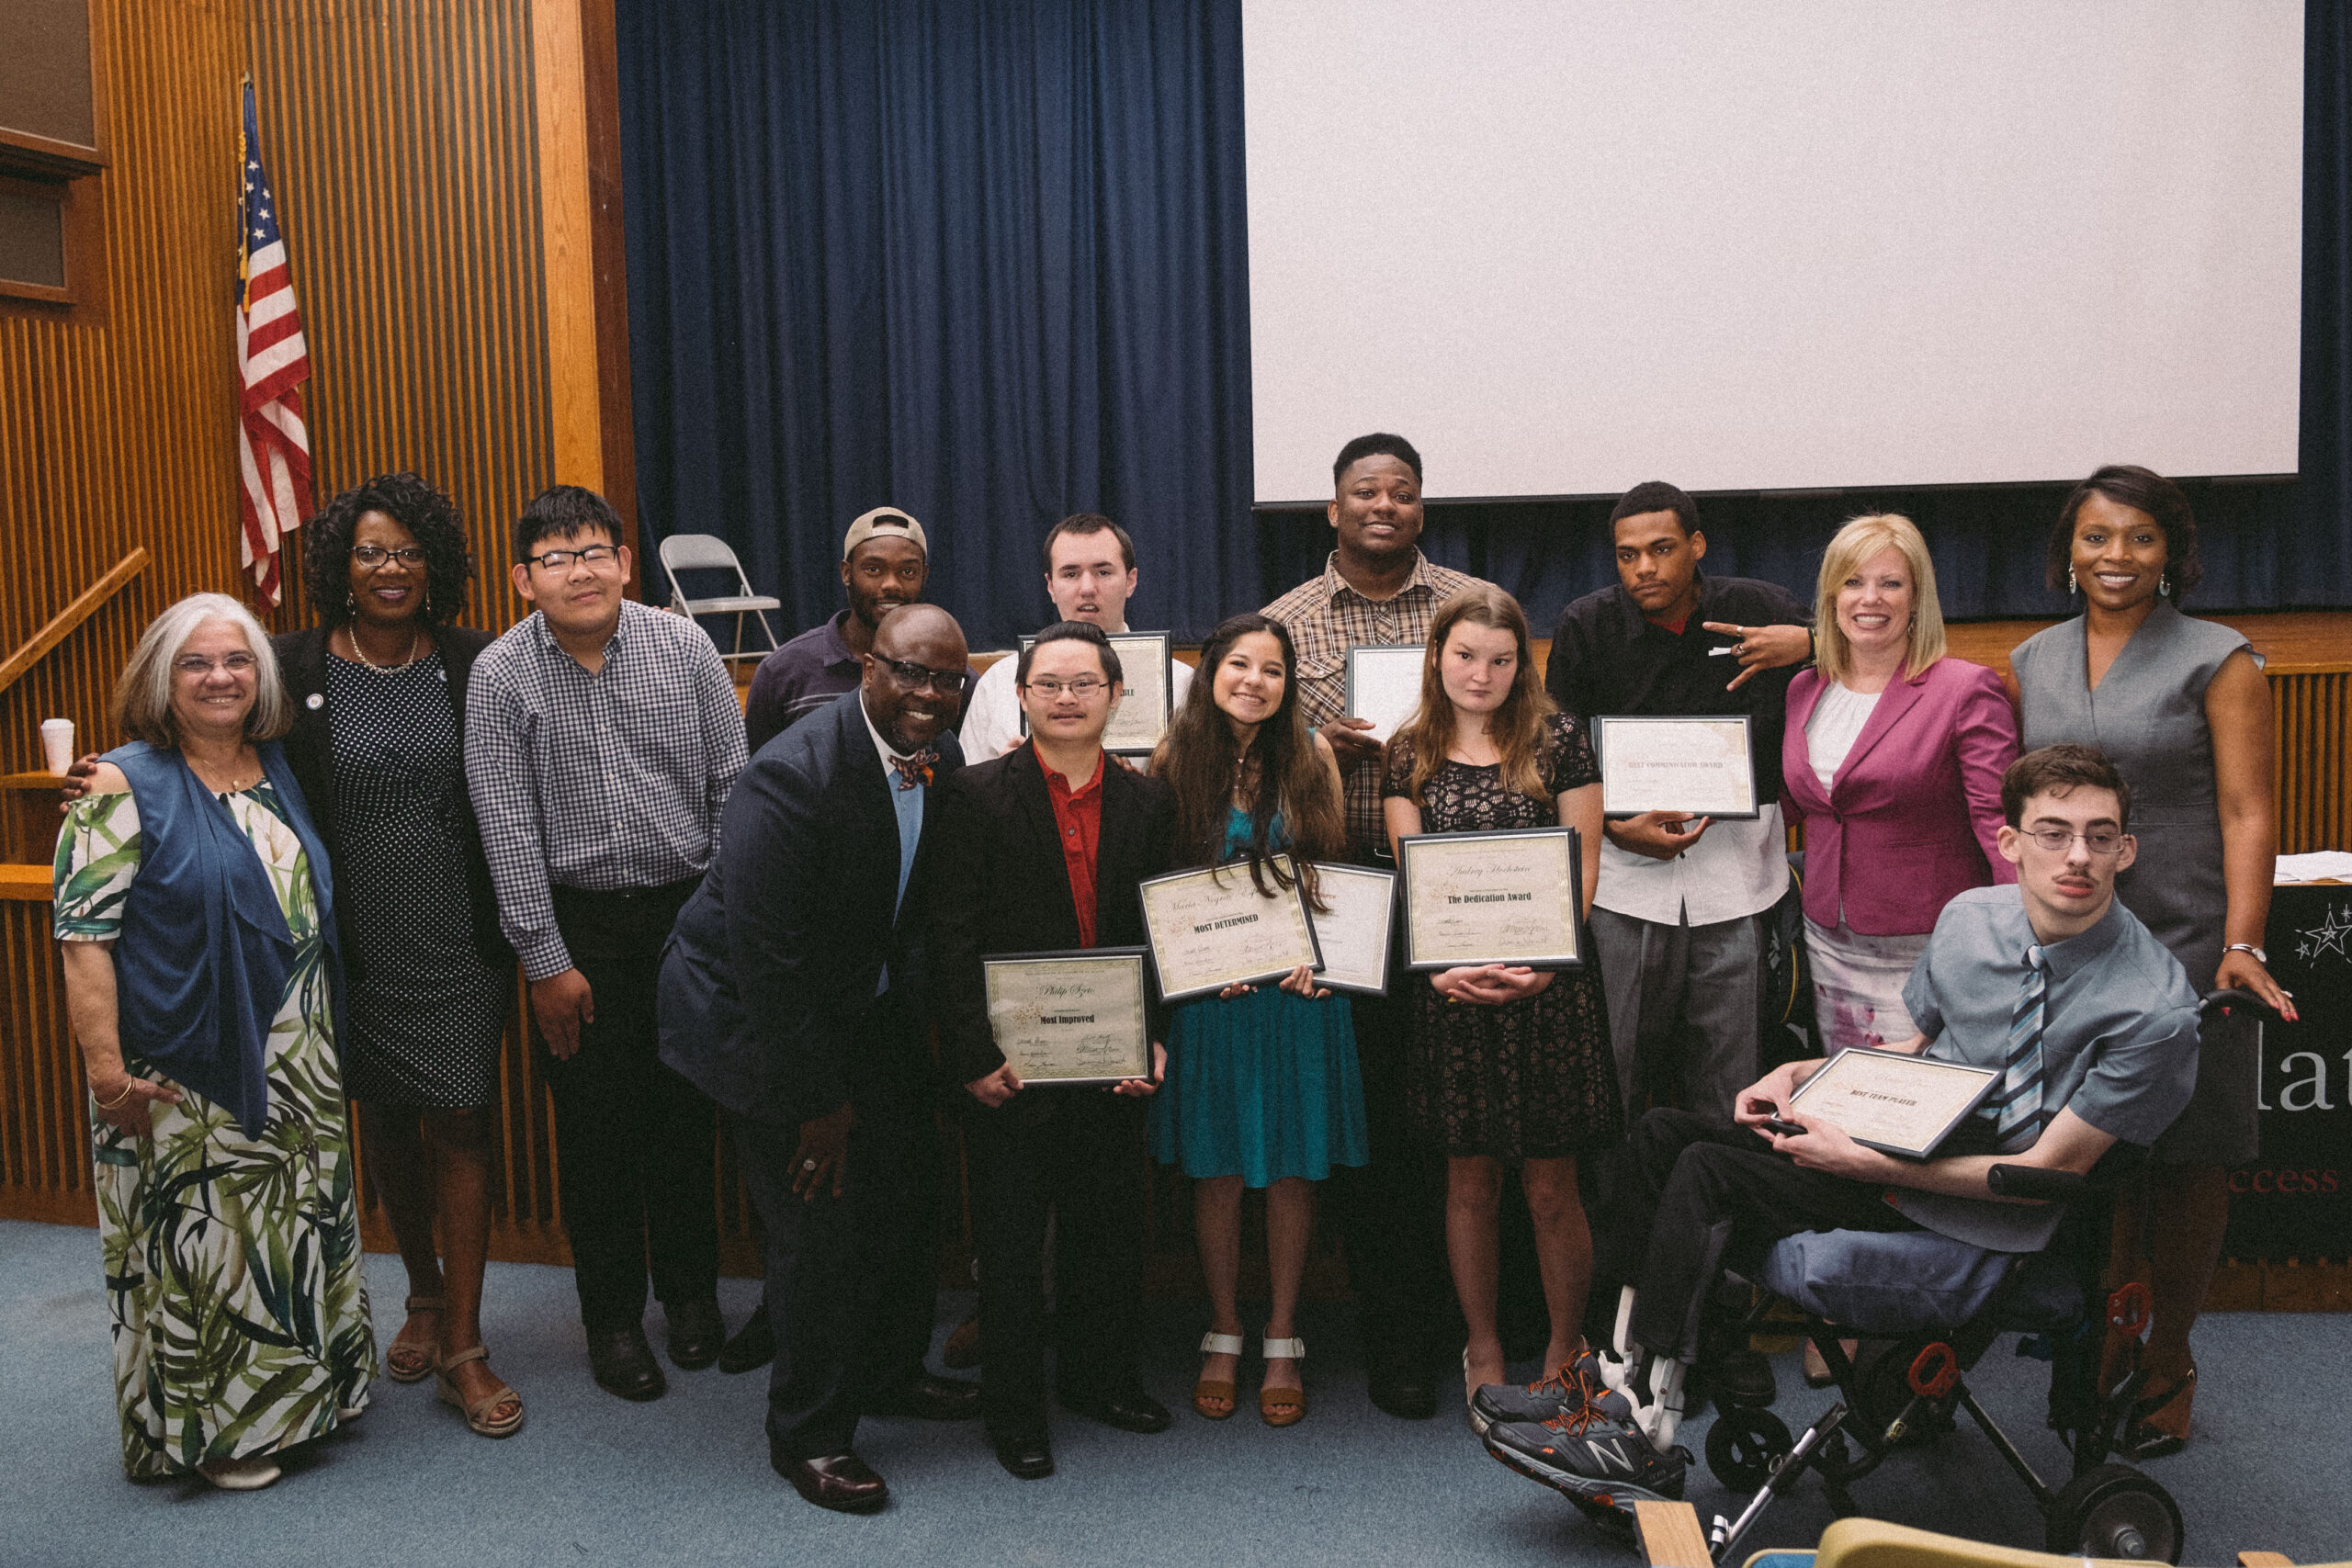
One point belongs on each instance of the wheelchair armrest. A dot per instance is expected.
(2032, 1182)
(2230, 999)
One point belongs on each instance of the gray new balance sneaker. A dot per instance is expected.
(1598, 1463)
(1574, 1386)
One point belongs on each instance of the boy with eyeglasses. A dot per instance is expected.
(2092, 1023)
(602, 737)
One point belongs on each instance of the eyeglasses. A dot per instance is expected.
(560, 560)
(946, 683)
(2102, 842)
(374, 555)
(1081, 688)
(195, 665)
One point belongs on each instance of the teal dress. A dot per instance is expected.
(1262, 1085)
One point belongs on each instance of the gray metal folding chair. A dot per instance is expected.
(707, 552)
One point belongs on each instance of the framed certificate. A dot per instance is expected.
(1492, 899)
(1893, 1101)
(1352, 931)
(1070, 1017)
(1212, 927)
(1141, 718)
(1704, 765)
(1385, 686)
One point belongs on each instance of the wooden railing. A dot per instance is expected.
(61, 624)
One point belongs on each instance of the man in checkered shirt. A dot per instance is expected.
(602, 737)
(1377, 588)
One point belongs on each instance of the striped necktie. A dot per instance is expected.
(2016, 1105)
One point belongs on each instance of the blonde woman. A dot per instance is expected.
(194, 912)
(1508, 1066)
(1892, 759)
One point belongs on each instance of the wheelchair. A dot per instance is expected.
(1924, 1310)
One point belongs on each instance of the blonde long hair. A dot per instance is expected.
(1517, 726)
(1854, 544)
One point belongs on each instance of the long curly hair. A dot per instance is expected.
(1281, 772)
(416, 506)
(1517, 726)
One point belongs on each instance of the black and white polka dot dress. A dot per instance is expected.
(423, 1013)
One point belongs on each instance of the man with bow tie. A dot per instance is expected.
(792, 994)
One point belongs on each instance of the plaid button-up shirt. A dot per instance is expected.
(599, 782)
(1327, 617)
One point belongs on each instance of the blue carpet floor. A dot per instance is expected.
(684, 1480)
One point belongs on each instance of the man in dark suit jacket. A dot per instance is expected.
(792, 994)
(1040, 852)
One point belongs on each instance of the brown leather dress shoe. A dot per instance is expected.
(929, 1397)
(841, 1482)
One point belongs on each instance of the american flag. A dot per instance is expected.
(273, 444)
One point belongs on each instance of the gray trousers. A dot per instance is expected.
(1683, 1001)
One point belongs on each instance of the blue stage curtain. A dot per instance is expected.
(984, 261)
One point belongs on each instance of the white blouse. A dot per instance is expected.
(1837, 723)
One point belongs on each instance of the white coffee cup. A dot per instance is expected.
(57, 743)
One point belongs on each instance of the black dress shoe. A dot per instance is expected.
(931, 1398)
(1741, 1376)
(1025, 1459)
(1131, 1410)
(697, 1333)
(623, 1363)
(841, 1482)
(1409, 1393)
(753, 1346)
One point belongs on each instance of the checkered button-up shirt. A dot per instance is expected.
(598, 782)
(1327, 617)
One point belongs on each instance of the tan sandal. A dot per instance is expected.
(1207, 1389)
(406, 1363)
(478, 1413)
(1282, 1406)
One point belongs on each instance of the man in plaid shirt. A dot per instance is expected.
(1377, 588)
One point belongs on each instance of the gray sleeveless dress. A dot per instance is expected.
(2148, 715)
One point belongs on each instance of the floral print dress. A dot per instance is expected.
(233, 1265)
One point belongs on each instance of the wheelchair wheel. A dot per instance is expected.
(1744, 1445)
(2113, 1510)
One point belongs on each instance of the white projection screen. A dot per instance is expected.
(1568, 245)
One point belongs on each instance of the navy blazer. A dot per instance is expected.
(1003, 886)
(770, 976)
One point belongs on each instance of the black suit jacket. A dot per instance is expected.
(768, 985)
(310, 748)
(1003, 886)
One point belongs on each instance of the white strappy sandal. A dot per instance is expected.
(1284, 1406)
(1214, 1344)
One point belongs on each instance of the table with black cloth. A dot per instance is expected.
(2294, 1200)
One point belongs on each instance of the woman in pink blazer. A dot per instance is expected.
(1893, 761)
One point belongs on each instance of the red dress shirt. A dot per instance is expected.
(1077, 817)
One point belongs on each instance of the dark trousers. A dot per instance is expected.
(633, 1140)
(1392, 1211)
(1076, 1155)
(852, 1281)
(1694, 1193)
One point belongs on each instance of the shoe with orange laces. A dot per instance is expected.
(1596, 1462)
(1575, 1385)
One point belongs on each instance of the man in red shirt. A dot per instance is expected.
(1041, 850)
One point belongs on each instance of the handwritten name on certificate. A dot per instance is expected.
(1491, 899)
(1070, 1017)
(1212, 927)
(1701, 765)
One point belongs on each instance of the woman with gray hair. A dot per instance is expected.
(194, 912)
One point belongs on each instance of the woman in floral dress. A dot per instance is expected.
(194, 915)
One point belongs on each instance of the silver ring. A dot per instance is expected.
(808, 1165)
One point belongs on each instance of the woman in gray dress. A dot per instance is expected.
(2184, 710)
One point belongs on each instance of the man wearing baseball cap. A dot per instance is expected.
(885, 563)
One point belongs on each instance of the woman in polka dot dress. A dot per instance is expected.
(378, 688)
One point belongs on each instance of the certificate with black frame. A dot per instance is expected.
(1141, 718)
(1352, 930)
(1384, 685)
(1892, 1101)
(1702, 764)
(1211, 928)
(1070, 1017)
(1503, 897)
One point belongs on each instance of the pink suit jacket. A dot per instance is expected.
(1912, 813)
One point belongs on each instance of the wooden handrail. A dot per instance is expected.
(85, 606)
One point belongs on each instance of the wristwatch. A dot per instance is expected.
(2259, 956)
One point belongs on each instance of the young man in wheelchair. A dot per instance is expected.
(2092, 1024)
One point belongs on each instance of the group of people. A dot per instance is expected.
(307, 874)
